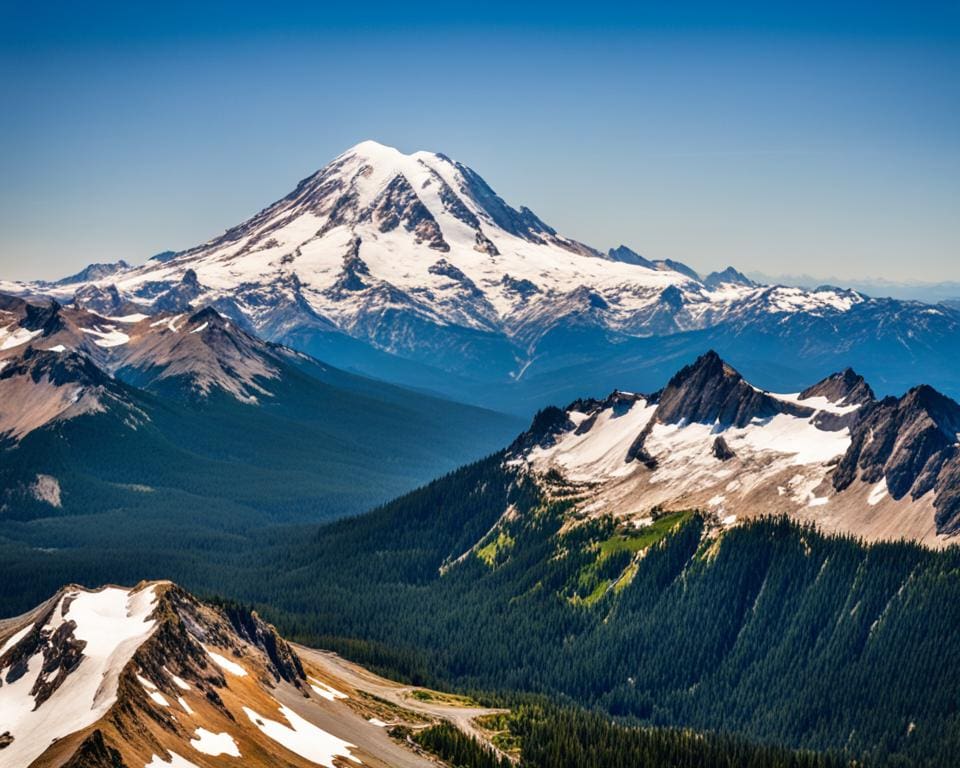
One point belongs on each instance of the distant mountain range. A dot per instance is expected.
(154, 418)
(906, 290)
(410, 268)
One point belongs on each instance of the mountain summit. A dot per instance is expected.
(411, 268)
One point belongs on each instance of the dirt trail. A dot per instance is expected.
(401, 695)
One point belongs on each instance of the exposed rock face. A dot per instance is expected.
(445, 268)
(105, 301)
(355, 270)
(179, 297)
(523, 223)
(177, 665)
(398, 205)
(205, 352)
(547, 424)
(910, 442)
(59, 369)
(721, 450)
(34, 315)
(38, 387)
(166, 679)
(844, 388)
(524, 288)
(284, 662)
(95, 753)
(485, 245)
(677, 266)
(947, 501)
(709, 391)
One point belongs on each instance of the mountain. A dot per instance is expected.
(150, 676)
(411, 268)
(711, 556)
(832, 454)
(768, 629)
(158, 436)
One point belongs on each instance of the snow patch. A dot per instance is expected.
(326, 691)
(108, 338)
(878, 493)
(210, 743)
(10, 339)
(15, 638)
(224, 663)
(303, 738)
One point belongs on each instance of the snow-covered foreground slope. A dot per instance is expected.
(63, 673)
(410, 267)
(832, 455)
(151, 677)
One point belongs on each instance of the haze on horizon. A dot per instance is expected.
(826, 143)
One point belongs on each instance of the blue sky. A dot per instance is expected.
(782, 138)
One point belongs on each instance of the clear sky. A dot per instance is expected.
(821, 138)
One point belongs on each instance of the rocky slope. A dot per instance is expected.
(150, 676)
(832, 454)
(411, 268)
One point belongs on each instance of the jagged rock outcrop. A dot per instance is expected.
(721, 450)
(711, 391)
(844, 388)
(176, 298)
(628, 256)
(830, 455)
(911, 443)
(546, 425)
(104, 300)
(398, 205)
(94, 272)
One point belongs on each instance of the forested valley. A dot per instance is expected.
(768, 631)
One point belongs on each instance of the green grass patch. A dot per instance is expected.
(452, 699)
(615, 564)
(497, 549)
(644, 538)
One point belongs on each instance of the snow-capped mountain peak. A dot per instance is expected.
(391, 262)
(831, 454)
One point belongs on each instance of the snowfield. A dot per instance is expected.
(113, 623)
(303, 738)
